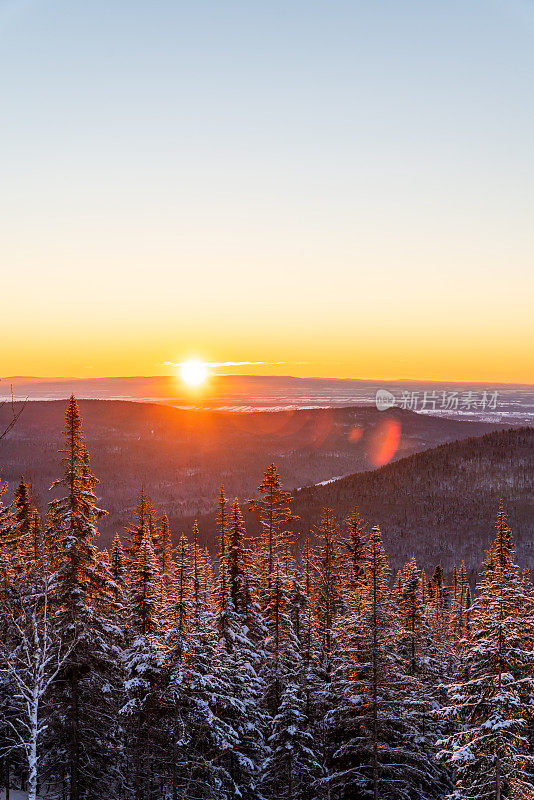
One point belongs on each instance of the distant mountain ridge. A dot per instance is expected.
(275, 392)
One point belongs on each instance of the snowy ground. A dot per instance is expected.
(15, 794)
(330, 480)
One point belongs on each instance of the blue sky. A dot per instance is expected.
(387, 145)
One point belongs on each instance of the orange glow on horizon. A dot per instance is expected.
(338, 348)
(48, 357)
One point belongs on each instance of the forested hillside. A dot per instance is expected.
(273, 670)
(181, 457)
(436, 505)
(439, 504)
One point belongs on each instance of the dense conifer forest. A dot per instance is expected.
(153, 670)
(440, 503)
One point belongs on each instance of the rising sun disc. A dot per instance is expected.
(193, 372)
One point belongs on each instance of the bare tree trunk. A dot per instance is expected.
(11, 424)
(413, 645)
(7, 776)
(32, 760)
(75, 744)
(174, 783)
(290, 779)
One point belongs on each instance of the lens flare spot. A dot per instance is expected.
(355, 434)
(321, 428)
(384, 442)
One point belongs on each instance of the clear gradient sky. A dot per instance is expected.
(344, 187)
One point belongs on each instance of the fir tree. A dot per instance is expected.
(36, 550)
(308, 634)
(292, 766)
(181, 600)
(374, 740)
(274, 511)
(144, 589)
(436, 610)
(302, 609)
(281, 650)
(354, 544)
(196, 695)
(241, 707)
(9, 541)
(412, 611)
(327, 587)
(143, 664)
(222, 574)
(203, 593)
(490, 751)
(140, 714)
(24, 513)
(118, 569)
(144, 517)
(242, 659)
(235, 560)
(82, 593)
(166, 561)
(459, 608)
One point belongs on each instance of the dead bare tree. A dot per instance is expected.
(31, 659)
(15, 414)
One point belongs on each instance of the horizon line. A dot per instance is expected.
(62, 378)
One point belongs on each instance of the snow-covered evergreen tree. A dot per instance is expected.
(274, 512)
(10, 553)
(83, 600)
(460, 604)
(195, 697)
(354, 544)
(292, 767)
(118, 568)
(327, 583)
(221, 536)
(144, 599)
(143, 748)
(164, 553)
(492, 704)
(24, 518)
(375, 745)
(242, 659)
(180, 600)
(412, 613)
(281, 652)
(144, 518)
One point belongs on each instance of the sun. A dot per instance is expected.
(193, 372)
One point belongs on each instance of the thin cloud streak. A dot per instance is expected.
(225, 363)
